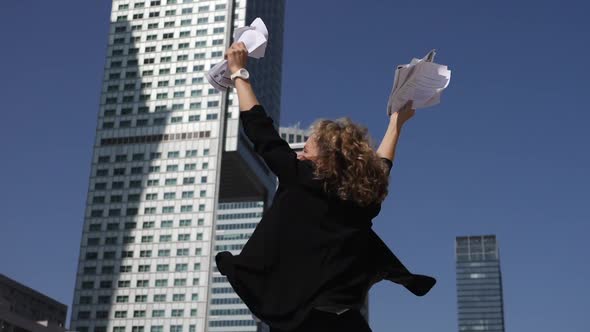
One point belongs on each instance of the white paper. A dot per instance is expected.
(255, 37)
(421, 81)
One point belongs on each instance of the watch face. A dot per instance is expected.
(244, 73)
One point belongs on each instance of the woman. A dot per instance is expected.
(313, 256)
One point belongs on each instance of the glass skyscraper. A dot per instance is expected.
(173, 179)
(479, 284)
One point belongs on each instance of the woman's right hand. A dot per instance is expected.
(402, 115)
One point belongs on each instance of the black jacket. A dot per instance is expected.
(310, 248)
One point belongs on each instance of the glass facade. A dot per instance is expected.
(479, 284)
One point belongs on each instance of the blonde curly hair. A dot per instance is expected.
(347, 161)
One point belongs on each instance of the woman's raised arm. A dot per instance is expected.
(396, 121)
(237, 57)
(258, 126)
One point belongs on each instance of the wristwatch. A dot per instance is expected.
(241, 73)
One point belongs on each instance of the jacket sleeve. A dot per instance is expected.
(389, 164)
(375, 208)
(275, 151)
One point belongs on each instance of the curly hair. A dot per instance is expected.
(347, 161)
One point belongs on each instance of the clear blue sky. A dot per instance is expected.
(505, 153)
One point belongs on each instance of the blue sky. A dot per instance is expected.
(505, 153)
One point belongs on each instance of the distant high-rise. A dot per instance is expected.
(168, 158)
(294, 134)
(479, 284)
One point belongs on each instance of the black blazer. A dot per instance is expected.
(310, 248)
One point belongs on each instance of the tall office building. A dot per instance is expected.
(168, 154)
(479, 284)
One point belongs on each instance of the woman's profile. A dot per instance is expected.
(313, 257)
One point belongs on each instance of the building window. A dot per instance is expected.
(104, 299)
(181, 267)
(140, 298)
(179, 282)
(122, 299)
(113, 240)
(125, 268)
(178, 297)
(147, 239)
(123, 283)
(157, 313)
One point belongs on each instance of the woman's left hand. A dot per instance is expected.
(237, 56)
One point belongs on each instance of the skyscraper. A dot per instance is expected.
(479, 284)
(168, 154)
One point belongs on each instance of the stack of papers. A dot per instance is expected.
(255, 37)
(421, 81)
